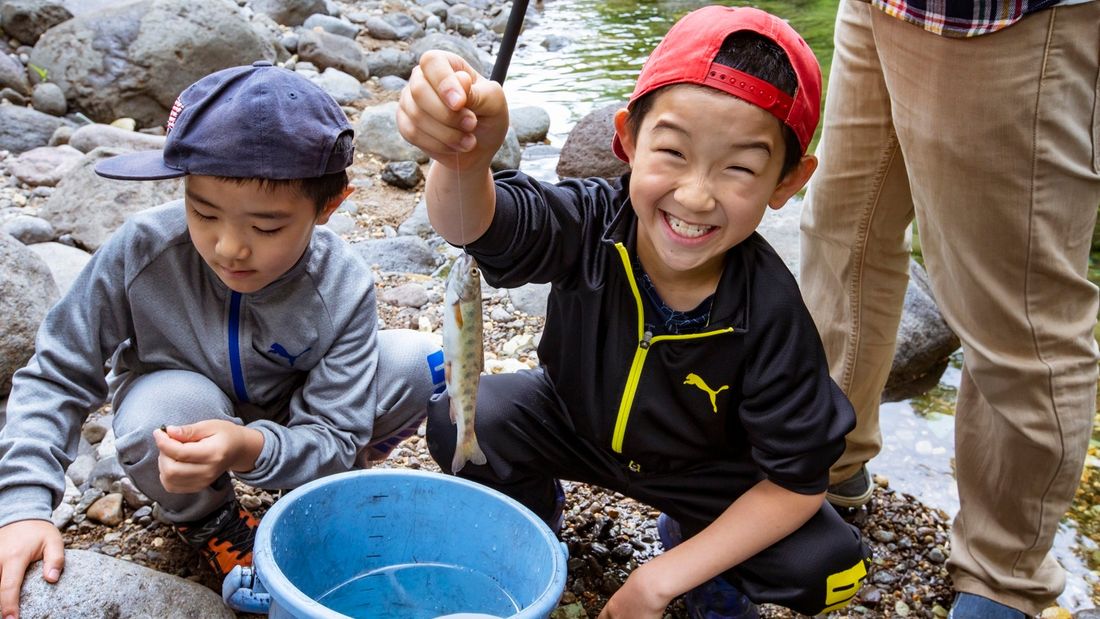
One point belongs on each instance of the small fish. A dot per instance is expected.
(463, 355)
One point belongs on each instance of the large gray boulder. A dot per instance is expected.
(95, 586)
(91, 208)
(133, 60)
(27, 290)
(587, 150)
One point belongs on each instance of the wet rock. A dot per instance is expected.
(586, 153)
(107, 510)
(403, 174)
(530, 122)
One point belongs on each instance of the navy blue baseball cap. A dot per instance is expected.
(257, 121)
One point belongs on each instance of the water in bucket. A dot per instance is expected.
(420, 591)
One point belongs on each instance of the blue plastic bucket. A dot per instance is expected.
(404, 544)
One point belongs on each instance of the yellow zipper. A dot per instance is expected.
(645, 341)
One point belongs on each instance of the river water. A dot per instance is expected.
(603, 45)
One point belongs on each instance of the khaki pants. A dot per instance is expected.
(992, 144)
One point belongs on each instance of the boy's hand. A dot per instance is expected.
(193, 456)
(23, 543)
(639, 597)
(457, 117)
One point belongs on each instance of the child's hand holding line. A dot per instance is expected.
(459, 119)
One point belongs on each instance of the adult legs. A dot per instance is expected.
(1000, 139)
(855, 258)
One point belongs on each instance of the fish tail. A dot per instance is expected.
(468, 451)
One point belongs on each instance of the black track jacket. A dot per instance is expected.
(752, 388)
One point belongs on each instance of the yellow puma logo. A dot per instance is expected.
(695, 379)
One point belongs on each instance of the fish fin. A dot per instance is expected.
(454, 411)
(476, 455)
(458, 462)
(457, 309)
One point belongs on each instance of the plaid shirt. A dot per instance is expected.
(962, 18)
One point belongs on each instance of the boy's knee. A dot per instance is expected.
(409, 362)
(835, 571)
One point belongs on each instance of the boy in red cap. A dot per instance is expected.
(679, 365)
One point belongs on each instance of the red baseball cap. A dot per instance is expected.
(686, 56)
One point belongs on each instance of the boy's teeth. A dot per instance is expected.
(683, 228)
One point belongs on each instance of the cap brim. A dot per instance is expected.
(147, 165)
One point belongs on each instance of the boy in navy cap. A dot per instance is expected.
(679, 365)
(242, 335)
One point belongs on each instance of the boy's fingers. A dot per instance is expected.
(486, 98)
(429, 134)
(53, 558)
(11, 580)
(449, 75)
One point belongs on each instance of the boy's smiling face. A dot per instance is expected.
(704, 167)
(249, 235)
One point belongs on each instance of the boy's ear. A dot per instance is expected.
(793, 181)
(333, 204)
(624, 134)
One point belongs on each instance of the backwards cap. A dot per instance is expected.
(686, 56)
(256, 121)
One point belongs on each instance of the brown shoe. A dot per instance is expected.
(224, 538)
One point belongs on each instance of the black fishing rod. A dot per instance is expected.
(508, 43)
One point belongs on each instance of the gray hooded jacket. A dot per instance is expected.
(303, 349)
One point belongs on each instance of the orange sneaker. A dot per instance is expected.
(224, 538)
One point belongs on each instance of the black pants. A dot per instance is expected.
(529, 440)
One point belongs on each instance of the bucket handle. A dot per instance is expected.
(243, 591)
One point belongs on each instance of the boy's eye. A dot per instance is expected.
(267, 232)
(672, 152)
(201, 216)
(737, 168)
